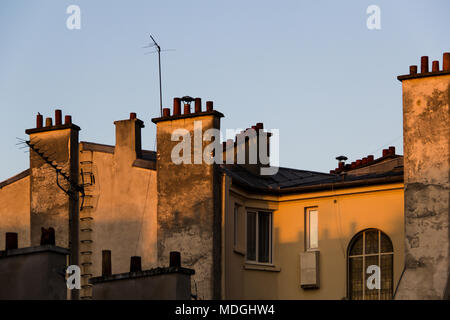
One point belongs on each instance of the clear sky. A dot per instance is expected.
(311, 69)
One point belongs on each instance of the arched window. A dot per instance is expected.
(368, 248)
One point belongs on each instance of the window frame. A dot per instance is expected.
(271, 244)
(239, 236)
(307, 229)
(352, 242)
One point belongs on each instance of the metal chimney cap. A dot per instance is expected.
(341, 158)
(187, 99)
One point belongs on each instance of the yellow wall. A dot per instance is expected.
(342, 214)
(15, 211)
(124, 214)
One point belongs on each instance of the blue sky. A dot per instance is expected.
(311, 69)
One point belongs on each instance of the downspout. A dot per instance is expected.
(223, 210)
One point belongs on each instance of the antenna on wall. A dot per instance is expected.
(158, 49)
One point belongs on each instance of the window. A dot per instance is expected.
(259, 236)
(370, 247)
(312, 228)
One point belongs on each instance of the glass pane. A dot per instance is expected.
(357, 248)
(370, 294)
(264, 237)
(386, 244)
(313, 230)
(356, 278)
(251, 236)
(386, 277)
(371, 241)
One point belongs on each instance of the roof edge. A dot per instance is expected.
(15, 178)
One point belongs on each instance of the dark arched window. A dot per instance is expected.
(370, 247)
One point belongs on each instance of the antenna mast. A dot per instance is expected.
(158, 48)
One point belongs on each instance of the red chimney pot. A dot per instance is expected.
(39, 121)
(166, 112)
(435, 66)
(176, 106)
(424, 64)
(198, 105)
(392, 150)
(446, 62)
(58, 117)
(187, 108)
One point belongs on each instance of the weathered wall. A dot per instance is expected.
(125, 214)
(157, 284)
(50, 206)
(15, 211)
(120, 213)
(342, 214)
(426, 131)
(187, 209)
(33, 273)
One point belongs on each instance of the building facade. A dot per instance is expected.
(295, 234)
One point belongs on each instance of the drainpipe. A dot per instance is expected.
(223, 253)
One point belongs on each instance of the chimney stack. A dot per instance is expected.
(106, 263)
(135, 264)
(11, 241)
(175, 259)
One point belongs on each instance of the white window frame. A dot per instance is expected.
(257, 211)
(308, 229)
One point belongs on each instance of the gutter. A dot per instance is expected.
(322, 187)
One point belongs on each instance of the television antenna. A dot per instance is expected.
(158, 49)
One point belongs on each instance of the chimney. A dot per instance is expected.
(426, 126)
(175, 259)
(391, 150)
(59, 145)
(424, 64)
(198, 105)
(175, 181)
(128, 139)
(58, 117)
(11, 241)
(446, 62)
(135, 264)
(106, 263)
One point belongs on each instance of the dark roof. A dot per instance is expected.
(288, 180)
